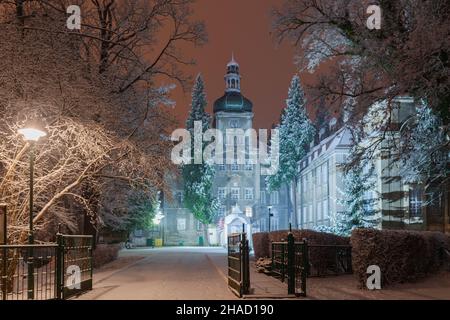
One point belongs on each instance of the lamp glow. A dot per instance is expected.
(158, 217)
(30, 134)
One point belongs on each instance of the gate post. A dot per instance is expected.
(59, 283)
(245, 265)
(291, 263)
(305, 266)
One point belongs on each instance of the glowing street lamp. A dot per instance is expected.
(31, 135)
(158, 217)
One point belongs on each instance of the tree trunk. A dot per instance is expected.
(205, 235)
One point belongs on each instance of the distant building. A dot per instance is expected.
(320, 180)
(400, 205)
(240, 188)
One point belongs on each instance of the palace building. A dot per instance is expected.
(246, 203)
(241, 188)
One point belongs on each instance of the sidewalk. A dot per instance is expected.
(169, 273)
(345, 287)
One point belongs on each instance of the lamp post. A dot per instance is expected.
(270, 215)
(31, 135)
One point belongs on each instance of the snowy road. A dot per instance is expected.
(166, 273)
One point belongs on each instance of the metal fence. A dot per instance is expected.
(290, 263)
(76, 260)
(46, 271)
(28, 272)
(295, 261)
(329, 260)
(238, 264)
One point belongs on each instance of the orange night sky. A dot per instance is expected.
(243, 27)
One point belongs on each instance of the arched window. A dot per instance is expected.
(233, 84)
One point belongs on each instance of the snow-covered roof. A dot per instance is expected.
(341, 139)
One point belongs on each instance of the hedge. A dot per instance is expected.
(105, 253)
(262, 241)
(261, 244)
(403, 256)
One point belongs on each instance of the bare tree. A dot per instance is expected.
(95, 92)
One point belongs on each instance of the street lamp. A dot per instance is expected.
(31, 135)
(270, 215)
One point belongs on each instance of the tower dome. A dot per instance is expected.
(233, 100)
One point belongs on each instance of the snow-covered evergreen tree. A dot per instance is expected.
(198, 178)
(296, 133)
(358, 206)
(421, 153)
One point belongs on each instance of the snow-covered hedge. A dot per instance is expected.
(403, 256)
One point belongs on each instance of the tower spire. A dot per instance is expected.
(233, 78)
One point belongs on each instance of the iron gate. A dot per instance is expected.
(290, 262)
(76, 264)
(238, 264)
(295, 261)
(46, 271)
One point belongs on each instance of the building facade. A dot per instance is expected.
(399, 205)
(240, 187)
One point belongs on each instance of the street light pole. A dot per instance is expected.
(30, 234)
(31, 135)
(270, 215)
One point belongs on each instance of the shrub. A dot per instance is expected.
(403, 256)
(105, 253)
(261, 244)
(263, 248)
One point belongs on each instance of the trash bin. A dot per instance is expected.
(150, 242)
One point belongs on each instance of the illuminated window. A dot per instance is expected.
(235, 193)
(222, 210)
(248, 193)
(181, 224)
(415, 202)
(274, 197)
(249, 212)
(222, 193)
(263, 197)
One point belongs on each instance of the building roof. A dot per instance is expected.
(233, 102)
(341, 139)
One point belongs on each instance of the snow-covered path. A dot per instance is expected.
(165, 273)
